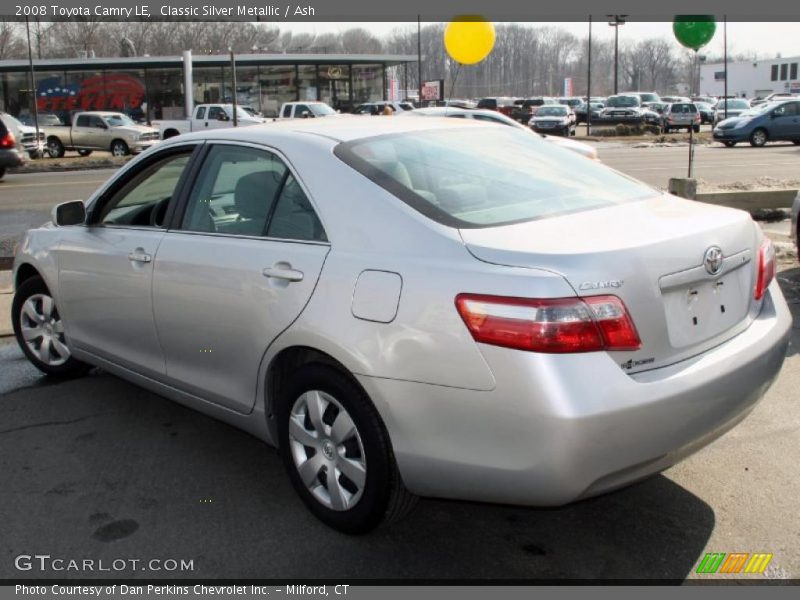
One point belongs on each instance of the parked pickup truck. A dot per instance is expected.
(99, 130)
(206, 116)
(305, 110)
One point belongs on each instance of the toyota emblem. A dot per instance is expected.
(713, 260)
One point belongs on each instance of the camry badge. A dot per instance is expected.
(712, 260)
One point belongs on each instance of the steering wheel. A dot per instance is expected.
(159, 212)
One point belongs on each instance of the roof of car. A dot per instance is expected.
(340, 128)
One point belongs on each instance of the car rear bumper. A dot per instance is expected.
(558, 428)
(10, 158)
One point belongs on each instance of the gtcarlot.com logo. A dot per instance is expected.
(46, 563)
(735, 562)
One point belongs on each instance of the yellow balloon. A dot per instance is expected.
(468, 42)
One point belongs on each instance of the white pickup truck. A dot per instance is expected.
(305, 110)
(206, 116)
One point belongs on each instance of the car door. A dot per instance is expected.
(217, 118)
(785, 123)
(81, 130)
(106, 266)
(236, 269)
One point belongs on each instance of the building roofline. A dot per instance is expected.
(199, 60)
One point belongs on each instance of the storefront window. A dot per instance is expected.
(334, 86)
(367, 83)
(277, 85)
(165, 94)
(248, 88)
(307, 82)
(16, 93)
(209, 85)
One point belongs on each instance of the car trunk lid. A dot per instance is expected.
(651, 254)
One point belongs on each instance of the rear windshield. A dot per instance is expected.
(683, 108)
(622, 101)
(483, 177)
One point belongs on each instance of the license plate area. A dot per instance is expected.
(700, 310)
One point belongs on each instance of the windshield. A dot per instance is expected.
(733, 104)
(649, 97)
(469, 178)
(321, 110)
(118, 120)
(622, 101)
(552, 111)
(757, 110)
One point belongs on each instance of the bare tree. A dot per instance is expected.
(11, 44)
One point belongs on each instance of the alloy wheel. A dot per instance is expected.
(43, 331)
(327, 450)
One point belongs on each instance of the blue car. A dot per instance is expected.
(775, 121)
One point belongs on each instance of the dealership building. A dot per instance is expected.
(152, 87)
(751, 78)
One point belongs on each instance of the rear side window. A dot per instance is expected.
(83, 121)
(201, 112)
(471, 177)
(287, 111)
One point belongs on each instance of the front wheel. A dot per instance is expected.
(729, 144)
(119, 148)
(696, 128)
(84, 152)
(337, 452)
(55, 148)
(758, 138)
(40, 331)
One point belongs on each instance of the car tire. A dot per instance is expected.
(33, 311)
(84, 152)
(2, 172)
(758, 138)
(376, 490)
(729, 144)
(796, 142)
(55, 148)
(696, 128)
(119, 148)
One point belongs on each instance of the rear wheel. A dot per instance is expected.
(729, 144)
(40, 331)
(337, 452)
(55, 148)
(696, 128)
(758, 138)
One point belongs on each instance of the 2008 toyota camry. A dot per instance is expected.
(412, 307)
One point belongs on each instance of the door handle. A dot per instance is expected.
(139, 256)
(284, 273)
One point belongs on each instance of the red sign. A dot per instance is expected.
(101, 92)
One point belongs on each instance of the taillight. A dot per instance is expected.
(553, 325)
(766, 268)
(8, 141)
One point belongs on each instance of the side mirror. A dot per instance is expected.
(69, 213)
(305, 114)
(222, 117)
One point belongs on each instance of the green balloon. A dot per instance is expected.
(694, 31)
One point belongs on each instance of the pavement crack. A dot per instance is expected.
(47, 424)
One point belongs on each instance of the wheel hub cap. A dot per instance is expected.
(327, 450)
(42, 331)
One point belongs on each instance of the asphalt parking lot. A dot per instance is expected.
(98, 468)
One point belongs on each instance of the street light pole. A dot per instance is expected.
(589, 83)
(615, 21)
(33, 82)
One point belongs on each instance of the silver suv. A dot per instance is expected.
(681, 115)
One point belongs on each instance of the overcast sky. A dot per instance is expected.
(767, 39)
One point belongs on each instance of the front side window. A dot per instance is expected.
(786, 110)
(469, 178)
(143, 201)
(250, 192)
(96, 122)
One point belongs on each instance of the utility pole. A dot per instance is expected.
(233, 81)
(615, 21)
(725, 50)
(33, 81)
(589, 83)
(419, 59)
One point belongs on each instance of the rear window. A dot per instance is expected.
(683, 108)
(483, 177)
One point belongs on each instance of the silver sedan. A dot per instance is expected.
(412, 307)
